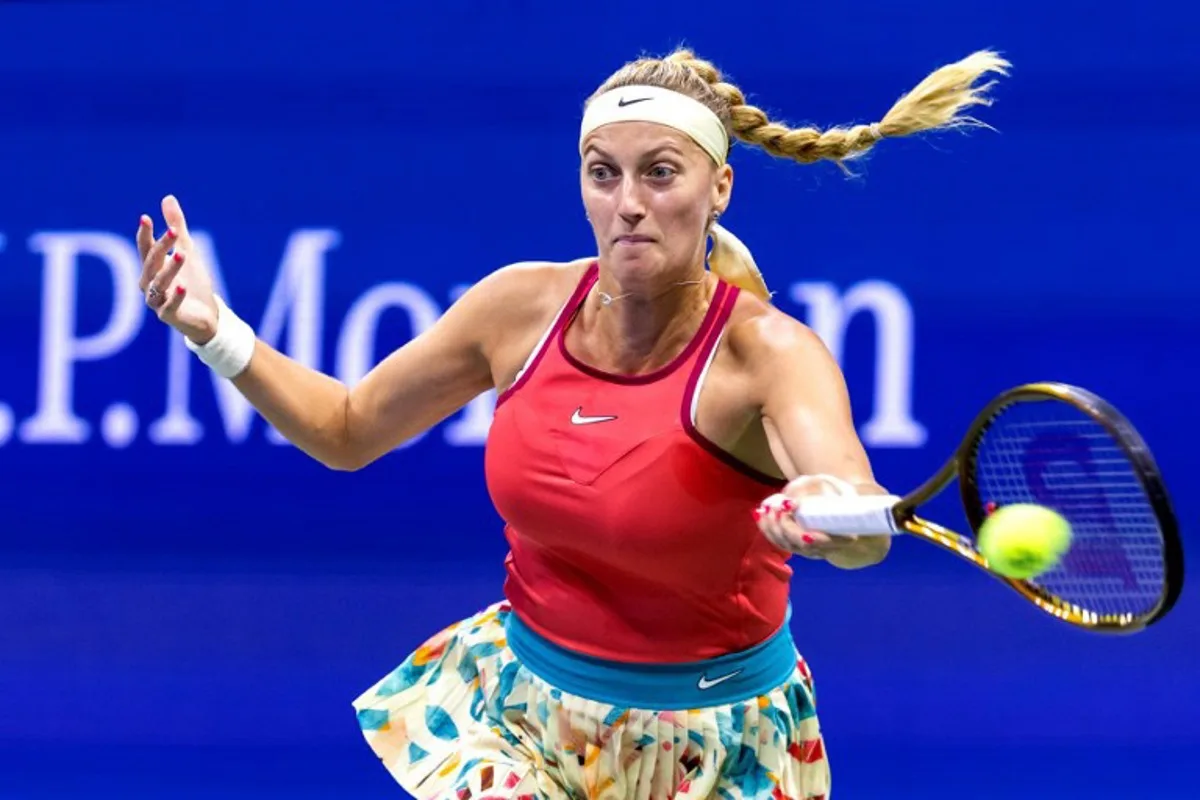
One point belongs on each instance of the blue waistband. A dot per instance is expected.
(717, 681)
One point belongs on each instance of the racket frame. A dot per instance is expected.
(961, 466)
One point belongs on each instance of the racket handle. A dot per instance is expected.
(856, 515)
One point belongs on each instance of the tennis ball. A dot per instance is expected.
(1024, 540)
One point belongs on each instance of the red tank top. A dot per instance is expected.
(631, 535)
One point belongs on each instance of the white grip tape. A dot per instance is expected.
(857, 515)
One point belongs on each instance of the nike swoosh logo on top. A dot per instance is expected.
(705, 683)
(578, 418)
(623, 102)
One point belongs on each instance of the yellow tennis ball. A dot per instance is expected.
(1024, 540)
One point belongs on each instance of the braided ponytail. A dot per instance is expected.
(935, 103)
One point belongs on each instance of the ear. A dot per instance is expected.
(722, 188)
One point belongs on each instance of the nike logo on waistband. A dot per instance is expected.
(705, 683)
(579, 419)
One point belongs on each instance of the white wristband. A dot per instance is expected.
(228, 353)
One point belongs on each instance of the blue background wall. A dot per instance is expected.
(187, 609)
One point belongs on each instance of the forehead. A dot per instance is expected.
(636, 139)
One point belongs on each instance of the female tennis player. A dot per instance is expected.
(656, 418)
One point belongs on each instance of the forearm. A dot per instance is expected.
(307, 407)
(805, 406)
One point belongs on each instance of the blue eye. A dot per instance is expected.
(662, 172)
(600, 172)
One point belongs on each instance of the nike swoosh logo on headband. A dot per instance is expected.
(623, 102)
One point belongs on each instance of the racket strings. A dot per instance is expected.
(1055, 455)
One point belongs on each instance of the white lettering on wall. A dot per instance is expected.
(891, 423)
(62, 346)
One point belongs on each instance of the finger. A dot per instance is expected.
(768, 516)
(173, 214)
(166, 276)
(772, 535)
(808, 552)
(798, 546)
(775, 509)
(153, 261)
(799, 538)
(763, 523)
(145, 236)
(173, 302)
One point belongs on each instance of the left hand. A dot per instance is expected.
(178, 289)
(775, 519)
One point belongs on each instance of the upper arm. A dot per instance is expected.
(441, 369)
(803, 399)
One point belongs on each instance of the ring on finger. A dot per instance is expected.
(153, 295)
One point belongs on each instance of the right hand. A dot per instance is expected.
(178, 288)
(776, 520)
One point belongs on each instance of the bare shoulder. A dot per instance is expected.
(526, 288)
(769, 367)
(509, 310)
(762, 338)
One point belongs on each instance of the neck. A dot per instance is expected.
(633, 331)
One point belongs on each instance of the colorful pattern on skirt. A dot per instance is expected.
(462, 719)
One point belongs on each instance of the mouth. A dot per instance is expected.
(632, 239)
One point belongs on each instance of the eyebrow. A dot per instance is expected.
(649, 153)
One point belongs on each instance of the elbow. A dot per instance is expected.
(341, 453)
(343, 459)
(341, 465)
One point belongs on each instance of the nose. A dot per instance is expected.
(630, 205)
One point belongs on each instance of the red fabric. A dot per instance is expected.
(631, 538)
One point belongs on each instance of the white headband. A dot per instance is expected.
(663, 106)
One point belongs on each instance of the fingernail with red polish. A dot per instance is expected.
(757, 513)
(178, 257)
(807, 539)
(788, 505)
(171, 232)
(178, 290)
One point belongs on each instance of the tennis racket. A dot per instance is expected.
(1061, 447)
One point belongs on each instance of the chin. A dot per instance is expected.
(636, 254)
(633, 268)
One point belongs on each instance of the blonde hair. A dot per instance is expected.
(937, 102)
